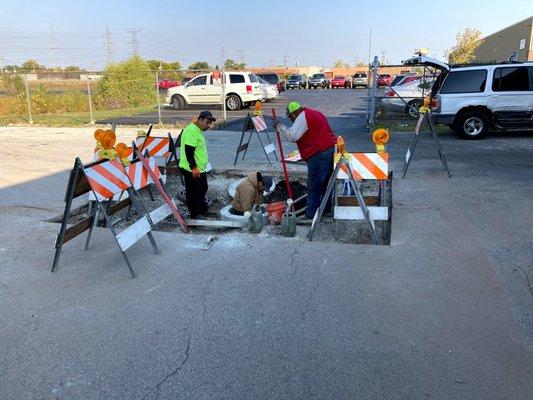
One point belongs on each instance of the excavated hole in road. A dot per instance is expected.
(354, 232)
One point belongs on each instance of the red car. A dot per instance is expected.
(340, 81)
(166, 84)
(384, 80)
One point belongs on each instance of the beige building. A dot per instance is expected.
(499, 46)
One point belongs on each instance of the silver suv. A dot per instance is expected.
(319, 80)
(472, 100)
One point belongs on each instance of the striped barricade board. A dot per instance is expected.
(104, 179)
(365, 165)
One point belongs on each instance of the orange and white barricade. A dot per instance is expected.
(255, 124)
(104, 179)
(351, 169)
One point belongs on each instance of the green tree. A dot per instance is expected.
(200, 65)
(340, 64)
(360, 64)
(466, 43)
(166, 70)
(130, 83)
(233, 65)
(32, 65)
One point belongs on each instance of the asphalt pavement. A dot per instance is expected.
(338, 104)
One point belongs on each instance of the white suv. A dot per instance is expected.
(472, 100)
(241, 89)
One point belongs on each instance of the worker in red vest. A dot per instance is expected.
(316, 143)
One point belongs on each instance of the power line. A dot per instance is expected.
(134, 41)
(241, 52)
(109, 45)
(54, 46)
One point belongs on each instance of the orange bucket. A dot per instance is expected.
(275, 211)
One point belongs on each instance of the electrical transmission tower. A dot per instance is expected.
(134, 43)
(285, 55)
(54, 46)
(241, 52)
(222, 58)
(109, 45)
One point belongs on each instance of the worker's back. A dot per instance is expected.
(247, 194)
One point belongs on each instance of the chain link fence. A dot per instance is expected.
(397, 92)
(132, 97)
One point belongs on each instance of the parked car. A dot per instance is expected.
(270, 92)
(319, 80)
(360, 79)
(242, 89)
(166, 84)
(273, 79)
(472, 100)
(297, 82)
(407, 98)
(402, 79)
(384, 80)
(340, 81)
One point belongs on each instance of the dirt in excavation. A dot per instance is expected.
(280, 191)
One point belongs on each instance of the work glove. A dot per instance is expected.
(195, 173)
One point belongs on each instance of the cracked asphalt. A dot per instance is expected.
(444, 312)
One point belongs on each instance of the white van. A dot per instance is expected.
(472, 100)
(242, 89)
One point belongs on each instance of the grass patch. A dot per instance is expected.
(77, 118)
(406, 125)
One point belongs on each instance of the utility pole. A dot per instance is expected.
(285, 55)
(54, 46)
(134, 43)
(369, 46)
(109, 45)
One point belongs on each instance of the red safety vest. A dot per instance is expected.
(318, 137)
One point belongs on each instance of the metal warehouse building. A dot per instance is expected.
(500, 45)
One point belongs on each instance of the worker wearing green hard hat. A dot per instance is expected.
(316, 142)
(292, 107)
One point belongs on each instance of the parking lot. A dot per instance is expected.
(344, 107)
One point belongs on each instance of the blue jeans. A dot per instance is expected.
(319, 170)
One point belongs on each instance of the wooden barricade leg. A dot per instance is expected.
(410, 152)
(263, 147)
(114, 232)
(439, 147)
(318, 213)
(94, 222)
(69, 195)
(270, 142)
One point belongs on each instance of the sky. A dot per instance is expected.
(260, 33)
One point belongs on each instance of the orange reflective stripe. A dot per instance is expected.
(100, 190)
(110, 177)
(370, 166)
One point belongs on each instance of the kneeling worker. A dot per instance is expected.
(193, 163)
(250, 192)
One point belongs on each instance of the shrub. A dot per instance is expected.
(126, 84)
